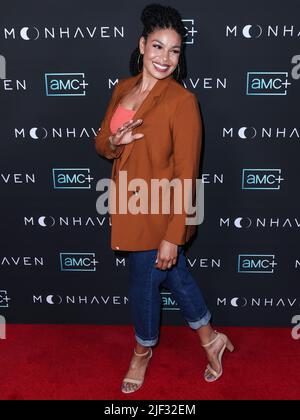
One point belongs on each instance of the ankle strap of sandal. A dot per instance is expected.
(211, 342)
(141, 354)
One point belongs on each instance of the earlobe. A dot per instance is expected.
(141, 45)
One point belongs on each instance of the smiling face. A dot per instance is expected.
(160, 53)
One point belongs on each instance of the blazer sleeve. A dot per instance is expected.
(187, 143)
(102, 144)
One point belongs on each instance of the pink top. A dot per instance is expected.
(120, 116)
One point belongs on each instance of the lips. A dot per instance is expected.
(160, 67)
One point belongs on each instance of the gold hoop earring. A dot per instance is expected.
(138, 63)
(178, 71)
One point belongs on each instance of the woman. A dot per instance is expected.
(166, 145)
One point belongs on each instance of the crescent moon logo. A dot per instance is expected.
(234, 302)
(41, 221)
(50, 299)
(45, 132)
(247, 28)
(238, 224)
(250, 130)
(260, 31)
(246, 31)
(245, 302)
(24, 33)
(33, 133)
(253, 131)
(241, 132)
(37, 33)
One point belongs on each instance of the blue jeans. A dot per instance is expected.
(145, 298)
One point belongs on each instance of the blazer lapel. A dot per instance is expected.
(146, 105)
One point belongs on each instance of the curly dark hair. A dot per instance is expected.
(156, 16)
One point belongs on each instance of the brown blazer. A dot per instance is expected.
(170, 149)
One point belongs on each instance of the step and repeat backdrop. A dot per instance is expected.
(59, 64)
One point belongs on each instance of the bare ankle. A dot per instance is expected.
(206, 334)
(139, 349)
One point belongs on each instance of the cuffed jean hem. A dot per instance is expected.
(202, 322)
(146, 343)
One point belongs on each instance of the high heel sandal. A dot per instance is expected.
(138, 382)
(209, 371)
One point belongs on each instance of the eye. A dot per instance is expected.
(159, 46)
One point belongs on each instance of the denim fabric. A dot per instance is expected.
(145, 298)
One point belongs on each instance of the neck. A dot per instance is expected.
(146, 83)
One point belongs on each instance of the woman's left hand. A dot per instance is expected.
(166, 255)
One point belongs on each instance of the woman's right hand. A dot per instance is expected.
(124, 133)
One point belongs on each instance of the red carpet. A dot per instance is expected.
(56, 362)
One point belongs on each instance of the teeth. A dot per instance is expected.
(161, 67)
